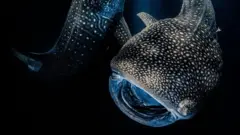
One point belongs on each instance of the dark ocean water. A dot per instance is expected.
(85, 101)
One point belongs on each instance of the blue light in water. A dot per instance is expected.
(151, 7)
(112, 8)
(137, 104)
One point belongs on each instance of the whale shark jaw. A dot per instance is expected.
(141, 106)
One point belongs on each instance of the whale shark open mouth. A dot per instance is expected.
(137, 104)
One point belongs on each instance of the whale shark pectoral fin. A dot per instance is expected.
(146, 18)
(32, 64)
(122, 32)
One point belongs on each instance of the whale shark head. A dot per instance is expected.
(162, 74)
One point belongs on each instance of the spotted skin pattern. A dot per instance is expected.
(122, 33)
(81, 38)
(176, 61)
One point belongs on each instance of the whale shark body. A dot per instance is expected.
(81, 38)
(162, 74)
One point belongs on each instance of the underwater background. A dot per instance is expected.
(84, 102)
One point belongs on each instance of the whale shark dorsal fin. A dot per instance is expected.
(146, 18)
(122, 32)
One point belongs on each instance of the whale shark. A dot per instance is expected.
(163, 73)
(85, 28)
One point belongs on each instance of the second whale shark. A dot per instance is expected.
(85, 28)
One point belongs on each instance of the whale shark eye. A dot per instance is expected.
(138, 104)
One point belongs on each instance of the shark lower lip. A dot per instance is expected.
(137, 104)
